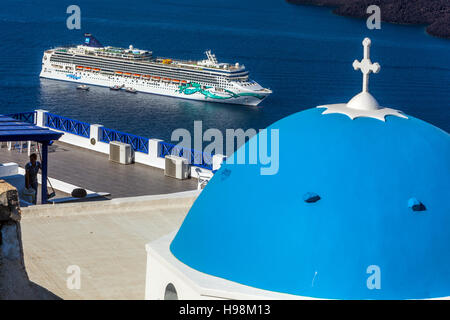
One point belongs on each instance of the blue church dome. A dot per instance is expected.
(359, 209)
(259, 230)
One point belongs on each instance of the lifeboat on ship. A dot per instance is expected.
(119, 72)
(183, 81)
(156, 78)
(175, 81)
(96, 69)
(137, 75)
(127, 74)
(166, 79)
(87, 68)
(80, 67)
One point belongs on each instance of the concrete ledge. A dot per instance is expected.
(8, 169)
(88, 197)
(116, 206)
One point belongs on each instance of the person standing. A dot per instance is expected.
(31, 172)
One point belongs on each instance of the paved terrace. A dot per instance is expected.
(93, 171)
(105, 239)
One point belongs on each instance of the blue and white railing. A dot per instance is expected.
(196, 158)
(29, 117)
(96, 137)
(139, 144)
(76, 127)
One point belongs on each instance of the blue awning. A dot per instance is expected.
(14, 130)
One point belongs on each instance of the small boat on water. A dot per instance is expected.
(116, 87)
(131, 90)
(83, 87)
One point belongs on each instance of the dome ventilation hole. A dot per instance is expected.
(311, 197)
(416, 205)
(225, 174)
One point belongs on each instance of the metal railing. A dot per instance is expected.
(139, 144)
(195, 158)
(106, 135)
(29, 117)
(76, 127)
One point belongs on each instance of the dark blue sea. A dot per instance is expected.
(303, 53)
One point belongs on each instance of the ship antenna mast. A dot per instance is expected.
(211, 57)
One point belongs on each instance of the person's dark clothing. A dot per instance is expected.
(32, 172)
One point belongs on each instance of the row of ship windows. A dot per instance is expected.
(190, 78)
(197, 79)
(171, 75)
(123, 57)
(120, 65)
(110, 62)
(139, 68)
(109, 74)
(148, 83)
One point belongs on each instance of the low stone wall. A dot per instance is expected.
(9, 203)
(14, 282)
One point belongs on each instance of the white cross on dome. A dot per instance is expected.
(363, 104)
(366, 66)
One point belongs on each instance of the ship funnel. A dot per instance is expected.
(90, 41)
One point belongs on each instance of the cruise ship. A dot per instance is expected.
(138, 70)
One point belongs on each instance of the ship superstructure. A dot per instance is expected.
(93, 63)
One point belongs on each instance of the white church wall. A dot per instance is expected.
(159, 276)
(163, 268)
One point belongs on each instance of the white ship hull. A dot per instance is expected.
(235, 96)
(139, 71)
